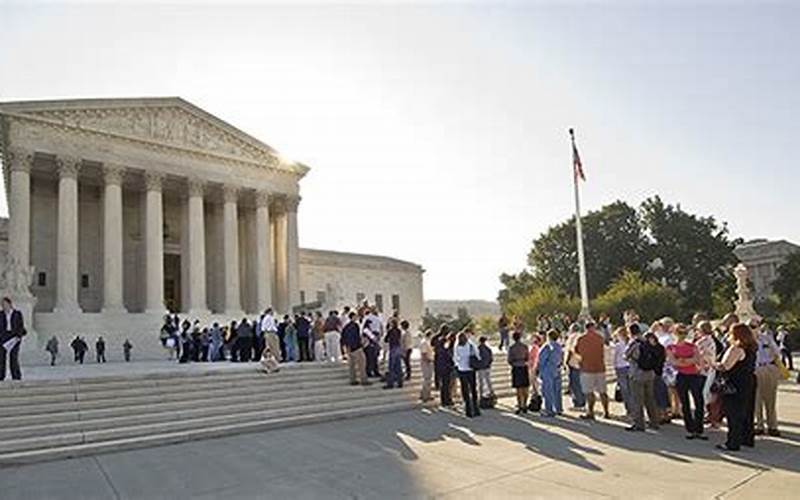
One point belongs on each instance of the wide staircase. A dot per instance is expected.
(54, 419)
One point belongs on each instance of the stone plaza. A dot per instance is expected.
(429, 453)
(124, 209)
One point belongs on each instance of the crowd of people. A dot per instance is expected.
(360, 335)
(696, 372)
(700, 372)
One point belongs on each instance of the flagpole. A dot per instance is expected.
(579, 236)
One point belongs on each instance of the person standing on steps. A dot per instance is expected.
(126, 350)
(333, 348)
(353, 345)
(52, 348)
(502, 327)
(426, 361)
(269, 329)
(407, 341)
(79, 348)
(485, 373)
(303, 327)
(463, 354)
(590, 347)
(394, 375)
(318, 333)
(100, 349)
(12, 329)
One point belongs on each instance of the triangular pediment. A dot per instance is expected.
(171, 121)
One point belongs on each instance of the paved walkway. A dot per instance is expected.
(434, 453)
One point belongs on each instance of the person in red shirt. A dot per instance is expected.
(685, 357)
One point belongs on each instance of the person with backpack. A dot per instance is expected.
(643, 359)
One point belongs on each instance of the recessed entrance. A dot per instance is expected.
(172, 282)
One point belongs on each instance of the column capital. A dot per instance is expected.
(262, 198)
(113, 173)
(230, 193)
(153, 180)
(19, 159)
(292, 203)
(68, 166)
(196, 186)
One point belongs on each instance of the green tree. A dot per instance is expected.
(435, 321)
(613, 242)
(547, 299)
(630, 291)
(787, 284)
(516, 286)
(691, 254)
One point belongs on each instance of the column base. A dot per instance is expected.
(161, 312)
(114, 310)
(235, 314)
(71, 309)
(197, 313)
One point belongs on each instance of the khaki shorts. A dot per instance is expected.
(593, 382)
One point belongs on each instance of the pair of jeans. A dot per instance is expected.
(395, 371)
(469, 392)
(575, 389)
(692, 417)
(485, 382)
(407, 362)
(624, 387)
(445, 395)
(551, 392)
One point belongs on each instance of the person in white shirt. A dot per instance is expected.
(462, 352)
(621, 367)
(269, 331)
(426, 366)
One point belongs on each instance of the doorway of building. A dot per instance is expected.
(172, 282)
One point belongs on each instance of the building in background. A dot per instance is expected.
(123, 209)
(763, 258)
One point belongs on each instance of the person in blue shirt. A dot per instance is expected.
(550, 359)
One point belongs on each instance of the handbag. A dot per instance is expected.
(784, 372)
(723, 386)
(618, 395)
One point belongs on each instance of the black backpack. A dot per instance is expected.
(649, 357)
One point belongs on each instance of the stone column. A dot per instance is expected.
(67, 238)
(154, 244)
(197, 249)
(19, 272)
(263, 276)
(292, 253)
(281, 263)
(19, 223)
(112, 239)
(230, 250)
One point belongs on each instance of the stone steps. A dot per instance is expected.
(44, 420)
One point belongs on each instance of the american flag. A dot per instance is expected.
(576, 161)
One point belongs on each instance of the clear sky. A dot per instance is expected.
(437, 133)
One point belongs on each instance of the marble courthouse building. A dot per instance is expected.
(122, 209)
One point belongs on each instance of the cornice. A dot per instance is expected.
(273, 163)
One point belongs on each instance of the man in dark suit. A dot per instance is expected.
(12, 329)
